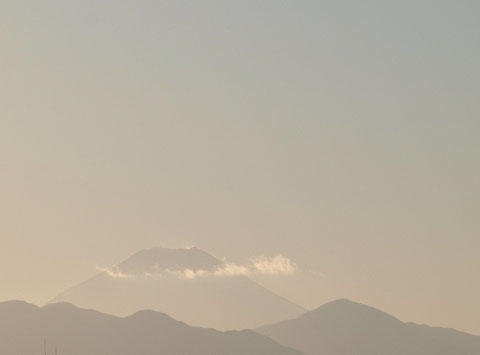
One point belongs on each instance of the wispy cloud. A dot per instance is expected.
(188, 274)
(115, 272)
(225, 270)
(230, 269)
(277, 265)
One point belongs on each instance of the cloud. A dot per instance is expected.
(188, 274)
(115, 272)
(232, 270)
(225, 270)
(278, 265)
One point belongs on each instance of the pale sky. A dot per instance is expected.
(343, 135)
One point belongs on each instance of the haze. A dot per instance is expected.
(344, 136)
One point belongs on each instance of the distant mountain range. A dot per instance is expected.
(194, 286)
(188, 284)
(343, 327)
(74, 331)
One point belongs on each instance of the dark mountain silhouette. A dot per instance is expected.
(74, 331)
(343, 327)
(186, 284)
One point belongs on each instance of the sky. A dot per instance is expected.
(344, 135)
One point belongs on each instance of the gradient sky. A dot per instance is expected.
(344, 135)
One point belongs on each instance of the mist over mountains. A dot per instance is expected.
(188, 284)
(139, 306)
(342, 134)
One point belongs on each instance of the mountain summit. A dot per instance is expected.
(161, 259)
(343, 327)
(188, 284)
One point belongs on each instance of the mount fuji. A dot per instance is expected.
(188, 284)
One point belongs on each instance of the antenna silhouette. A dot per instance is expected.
(45, 347)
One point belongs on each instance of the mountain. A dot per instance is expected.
(188, 284)
(74, 331)
(343, 327)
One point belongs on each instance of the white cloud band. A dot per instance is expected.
(277, 265)
(115, 272)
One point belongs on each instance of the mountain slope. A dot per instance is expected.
(188, 284)
(343, 327)
(24, 327)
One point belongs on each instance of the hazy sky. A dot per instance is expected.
(344, 135)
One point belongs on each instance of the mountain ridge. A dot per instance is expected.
(344, 327)
(75, 331)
